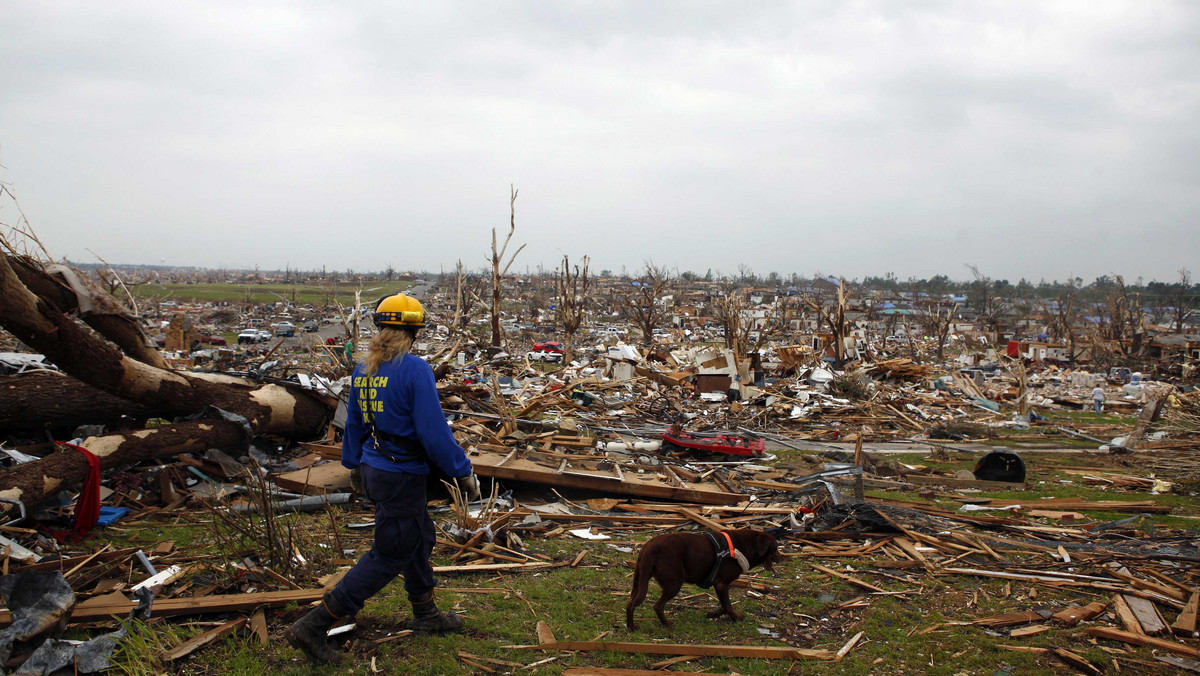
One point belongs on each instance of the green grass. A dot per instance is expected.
(586, 603)
(265, 293)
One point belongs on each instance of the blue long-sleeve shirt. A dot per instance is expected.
(400, 399)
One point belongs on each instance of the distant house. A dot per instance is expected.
(1036, 350)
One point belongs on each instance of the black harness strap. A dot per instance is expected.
(411, 450)
(721, 555)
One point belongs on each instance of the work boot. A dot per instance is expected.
(308, 633)
(427, 619)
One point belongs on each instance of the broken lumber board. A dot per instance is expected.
(650, 485)
(1146, 641)
(703, 521)
(547, 642)
(68, 564)
(756, 652)
(331, 477)
(102, 607)
(848, 578)
(601, 671)
(327, 451)
(1125, 615)
(188, 647)
(1078, 662)
(964, 483)
(1147, 614)
(1185, 625)
(1008, 619)
(613, 518)
(1076, 614)
(465, 568)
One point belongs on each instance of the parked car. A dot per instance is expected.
(249, 336)
(285, 329)
(263, 335)
(310, 326)
(546, 351)
(212, 339)
(548, 346)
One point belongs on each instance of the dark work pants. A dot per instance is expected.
(404, 539)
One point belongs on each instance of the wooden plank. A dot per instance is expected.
(1185, 625)
(1076, 614)
(648, 485)
(258, 625)
(1147, 615)
(1146, 641)
(852, 580)
(496, 566)
(549, 643)
(1078, 662)
(102, 607)
(1008, 619)
(845, 649)
(331, 477)
(756, 652)
(600, 671)
(188, 647)
(1125, 615)
(964, 483)
(703, 521)
(67, 564)
(1030, 630)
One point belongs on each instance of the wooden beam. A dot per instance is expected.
(1185, 625)
(1076, 614)
(1147, 615)
(1146, 641)
(188, 647)
(848, 578)
(103, 607)
(703, 521)
(649, 485)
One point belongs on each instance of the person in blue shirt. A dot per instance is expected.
(395, 433)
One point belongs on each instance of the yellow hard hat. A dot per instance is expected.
(400, 311)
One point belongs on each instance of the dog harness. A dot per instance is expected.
(723, 553)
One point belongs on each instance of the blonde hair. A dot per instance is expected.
(387, 345)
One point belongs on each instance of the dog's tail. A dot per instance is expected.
(641, 583)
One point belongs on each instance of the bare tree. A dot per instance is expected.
(497, 260)
(936, 321)
(572, 287)
(1062, 319)
(468, 299)
(727, 309)
(987, 302)
(1183, 302)
(1125, 316)
(834, 320)
(639, 303)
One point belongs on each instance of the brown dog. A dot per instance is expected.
(675, 558)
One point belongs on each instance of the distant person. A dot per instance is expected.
(349, 352)
(1098, 398)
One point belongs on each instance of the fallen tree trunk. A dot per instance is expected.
(71, 292)
(34, 481)
(48, 400)
(268, 408)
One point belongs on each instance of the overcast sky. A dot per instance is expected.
(1037, 139)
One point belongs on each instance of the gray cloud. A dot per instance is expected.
(1033, 139)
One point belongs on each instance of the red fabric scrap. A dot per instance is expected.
(87, 507)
